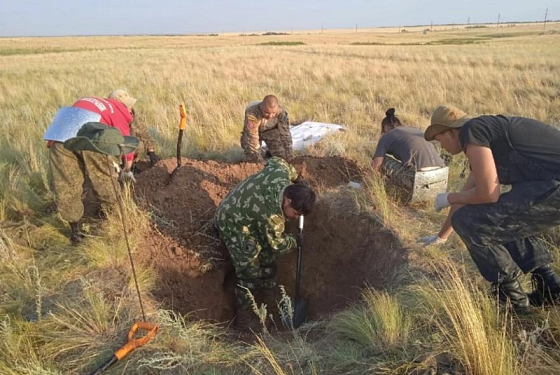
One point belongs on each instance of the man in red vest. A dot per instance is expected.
(69, 168)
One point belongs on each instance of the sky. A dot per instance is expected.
(119, 17)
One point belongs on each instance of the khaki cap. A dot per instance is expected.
(123, 97)
(445, 117)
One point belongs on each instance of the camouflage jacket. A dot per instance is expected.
(139, 130)
(253, 209)
(254, 124)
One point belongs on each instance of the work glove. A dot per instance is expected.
(153, 157)
(434, 239)
(441, 201)
(126, 176)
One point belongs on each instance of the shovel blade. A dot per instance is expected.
(300, 312)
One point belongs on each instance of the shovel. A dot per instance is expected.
(130, 345)
(300, 305)
(182, 126)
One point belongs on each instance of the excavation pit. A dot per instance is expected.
(344, 250)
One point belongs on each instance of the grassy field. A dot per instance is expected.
(63, 309)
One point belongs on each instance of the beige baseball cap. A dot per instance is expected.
(123, 97)
(444, 118)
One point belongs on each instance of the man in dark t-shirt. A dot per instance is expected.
(499, 230)
(407, 144)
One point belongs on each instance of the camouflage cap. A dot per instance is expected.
(97, 137)
(444, 118)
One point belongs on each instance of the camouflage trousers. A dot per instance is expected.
(255, 267)
(273, 142)
(68, 172)
(500, 236)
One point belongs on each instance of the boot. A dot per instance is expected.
(76, 234)
(247, 321)
(270, 299)
(546, 287)
(511, 290)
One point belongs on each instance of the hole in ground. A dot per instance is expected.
(343, 250)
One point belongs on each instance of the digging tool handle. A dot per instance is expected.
(130, 345)
(182, 126)
(299, 256)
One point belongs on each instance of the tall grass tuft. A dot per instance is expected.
(476, 331)
(379, 323)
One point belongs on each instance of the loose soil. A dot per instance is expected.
(343, 251)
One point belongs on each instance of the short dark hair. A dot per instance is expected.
(303, 198)
(390, 120)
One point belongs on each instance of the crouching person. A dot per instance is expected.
(251, 222)
(500, 230)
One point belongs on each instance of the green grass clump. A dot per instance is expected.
(379, 323)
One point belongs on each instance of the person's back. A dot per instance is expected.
(408, 145)
(405, 143)
(256, 201)
(524, 149)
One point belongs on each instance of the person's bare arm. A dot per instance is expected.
(376, 163)
(486, 187)
(446, 228)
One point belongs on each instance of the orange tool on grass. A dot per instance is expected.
(130, 345)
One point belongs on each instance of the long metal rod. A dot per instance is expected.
(299, 257)
(121, 209)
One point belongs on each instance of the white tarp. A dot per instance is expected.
(67, 122)
(308, 133)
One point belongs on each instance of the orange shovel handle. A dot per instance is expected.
(136, 343)
(183, 114)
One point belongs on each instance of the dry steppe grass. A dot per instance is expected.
(63, 309)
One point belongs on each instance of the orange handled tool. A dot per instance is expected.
(182, 126)
(130, 345)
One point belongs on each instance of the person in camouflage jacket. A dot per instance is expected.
(266, 121)
(251, 222)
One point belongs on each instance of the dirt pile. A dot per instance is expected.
(342, 251)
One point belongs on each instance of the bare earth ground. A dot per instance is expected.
(343, 251)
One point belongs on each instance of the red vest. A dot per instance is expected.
(113, 113)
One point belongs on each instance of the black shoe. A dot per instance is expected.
(546, 287)
(512, 291)
(76, 234)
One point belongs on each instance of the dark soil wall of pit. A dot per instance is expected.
(342, 251)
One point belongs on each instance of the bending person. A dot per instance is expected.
(500, 230)
(251, 222)
(405, 143)
(69, 169)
